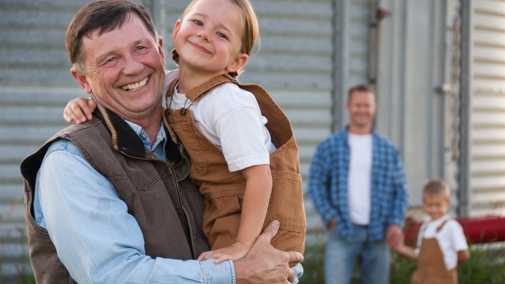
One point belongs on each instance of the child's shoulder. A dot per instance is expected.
(452, 224)
(232, 93)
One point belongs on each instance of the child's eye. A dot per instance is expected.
(198, 23)
(221, 35)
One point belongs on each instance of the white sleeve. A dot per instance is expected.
(458, 237)
(238, 124)
(420, 237)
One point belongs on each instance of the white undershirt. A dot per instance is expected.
(451, 239)
(231, 119)
(359, 178)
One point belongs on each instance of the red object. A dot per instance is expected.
(477, 230)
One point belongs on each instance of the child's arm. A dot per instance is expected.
(463, 255)
(406, 250)
(254, 209)
(79, 110)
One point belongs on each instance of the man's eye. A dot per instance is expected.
(221, 35)
(111, 59)
(140, 47)
(198, 23)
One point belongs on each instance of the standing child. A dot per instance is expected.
(441, 244)
(241, 145)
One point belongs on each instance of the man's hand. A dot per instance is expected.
(333, 223)
(394, 235)
(265, 264)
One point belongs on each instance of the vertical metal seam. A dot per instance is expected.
(337, 66)
(402, 84)
(466, 72)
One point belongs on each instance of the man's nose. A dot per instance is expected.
(132, 66)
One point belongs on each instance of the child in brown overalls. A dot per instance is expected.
(241, 145)
(441, 242)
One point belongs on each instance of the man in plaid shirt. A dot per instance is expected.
(356, 183)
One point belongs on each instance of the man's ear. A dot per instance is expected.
(81, 79)
(176, 30)
(238, 63)
(160, 49)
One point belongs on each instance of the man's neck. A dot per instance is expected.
(190, 78)
(359, 130)
(152, 128)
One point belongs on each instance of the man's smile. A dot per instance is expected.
(135, 86)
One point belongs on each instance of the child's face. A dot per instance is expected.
(209, 37)
(435, 206)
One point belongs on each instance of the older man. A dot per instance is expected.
(109, 201)
(356, 183)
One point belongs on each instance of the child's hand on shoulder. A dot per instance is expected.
(236, 251)
(79, 110)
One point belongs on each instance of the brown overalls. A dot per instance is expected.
(430, 264)
(224, 190)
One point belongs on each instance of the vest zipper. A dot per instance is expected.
(179, 200)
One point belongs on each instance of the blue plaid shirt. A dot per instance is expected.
(328, 184)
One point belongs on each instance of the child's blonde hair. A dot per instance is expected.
(436, 187)
(251, 29)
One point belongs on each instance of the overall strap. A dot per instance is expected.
(198, 92)
(170, 91)
(442, 225)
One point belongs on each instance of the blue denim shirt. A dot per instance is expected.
(95, 237)
(328, 184)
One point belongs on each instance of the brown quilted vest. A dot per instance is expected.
(171, 226)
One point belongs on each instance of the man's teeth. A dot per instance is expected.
(136, 86)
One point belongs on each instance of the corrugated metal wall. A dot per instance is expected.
(35, 86)
(486, 123)
(351, 34)
(294, 65)
(413, 61)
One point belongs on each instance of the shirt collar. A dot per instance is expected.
(160, 138)
(346, 132)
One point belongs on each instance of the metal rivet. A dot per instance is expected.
(183, 111)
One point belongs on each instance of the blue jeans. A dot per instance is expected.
(341, 256)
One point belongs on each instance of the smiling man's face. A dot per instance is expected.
(124, 69)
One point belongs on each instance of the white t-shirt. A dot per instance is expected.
(451, 239)
(359, 177)
(231, 119)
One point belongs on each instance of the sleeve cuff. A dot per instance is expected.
(223, 272)
(396, 221)
(298, 272)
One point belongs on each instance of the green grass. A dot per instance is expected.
(484, 267)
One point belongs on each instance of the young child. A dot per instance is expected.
(241, 145)
(441, 244)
